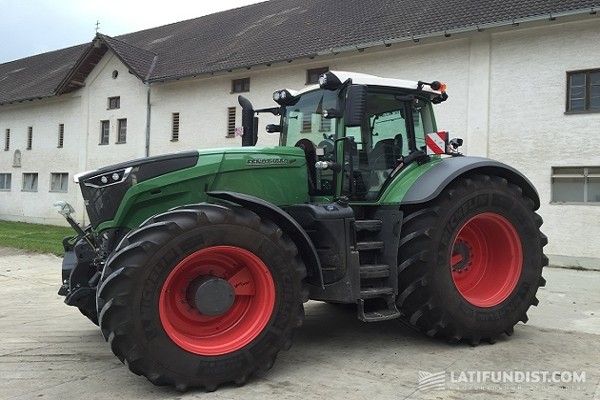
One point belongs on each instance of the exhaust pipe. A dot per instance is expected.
(249, 122)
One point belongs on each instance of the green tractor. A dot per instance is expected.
(196, 265)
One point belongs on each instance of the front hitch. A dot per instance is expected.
(66, 210)
(77, 265)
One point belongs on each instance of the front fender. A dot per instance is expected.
(306, 249)
(432, 181)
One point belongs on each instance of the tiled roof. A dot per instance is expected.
(272, 31)
(140, 60)
(37, 76)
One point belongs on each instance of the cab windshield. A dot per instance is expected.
(303, 118)
(305, 126)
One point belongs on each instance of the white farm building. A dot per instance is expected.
(523, 79)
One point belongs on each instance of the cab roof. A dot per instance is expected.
(369, 80)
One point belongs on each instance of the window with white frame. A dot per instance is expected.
(30, 182)
(240, 85)
(59, 181)
(5, 181)
(114, 103)
(104, 132)
(576, 185)
(7, 140)
(122, 136)
(583, 91)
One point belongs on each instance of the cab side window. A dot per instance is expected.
(384, 139)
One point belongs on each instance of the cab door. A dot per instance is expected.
(394, 125)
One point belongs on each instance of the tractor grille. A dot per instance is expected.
(104, 189)
(102, 202)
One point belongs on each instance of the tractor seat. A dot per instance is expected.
(382, 160)
(386, 153)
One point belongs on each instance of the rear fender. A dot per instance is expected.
(306, 249)
(431, 183)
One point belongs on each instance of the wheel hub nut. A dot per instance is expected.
(462, 249)
(211, 296)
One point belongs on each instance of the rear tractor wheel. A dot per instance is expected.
(471, 261)
(202, 295)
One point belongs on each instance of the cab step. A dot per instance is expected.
(373, 293)
(374, 271)
(379, 313)
(370, 245)
(377, 245)
(372, 225)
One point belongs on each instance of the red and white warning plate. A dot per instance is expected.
(436, 142)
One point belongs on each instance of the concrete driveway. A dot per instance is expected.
(49, 350)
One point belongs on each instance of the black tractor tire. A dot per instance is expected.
(148, 296)
(470, 261)
(90, 312)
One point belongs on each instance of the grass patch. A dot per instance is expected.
(33, 237)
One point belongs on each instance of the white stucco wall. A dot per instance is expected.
(530, 130)
(202, 106)
(100, 85)
(44, 158)
(507, 92)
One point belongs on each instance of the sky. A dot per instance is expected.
(30, 27)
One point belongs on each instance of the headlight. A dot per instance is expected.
(282, 97)
(108, 179)
(329, 81)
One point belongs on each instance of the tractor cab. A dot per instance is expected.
(357, 131)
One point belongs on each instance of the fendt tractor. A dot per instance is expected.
(196, 265)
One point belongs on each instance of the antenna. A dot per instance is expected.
(97, 26)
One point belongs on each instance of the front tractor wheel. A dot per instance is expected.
(217, 300)
(471, 261)
(202, 295)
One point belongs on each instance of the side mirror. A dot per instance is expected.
(356, 105)
(456, 142)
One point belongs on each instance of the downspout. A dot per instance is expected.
(149, 104)
(148, 115)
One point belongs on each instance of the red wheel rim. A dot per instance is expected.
(486, 260)
(251, 310)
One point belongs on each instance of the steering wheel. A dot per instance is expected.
(306, 145)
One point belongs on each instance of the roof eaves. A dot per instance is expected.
(62, 86)
(97, 43)
(23, 100)
(228, 68)
(464, 29)
(550, 15)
